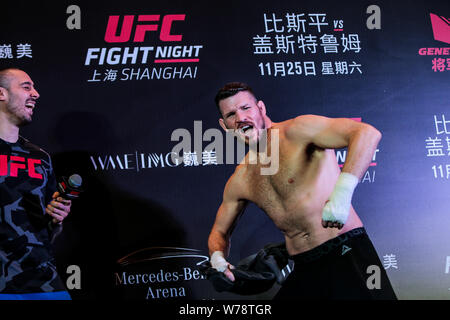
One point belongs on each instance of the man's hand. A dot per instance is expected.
(331, 221)
(219, 263)
(58, 208)
(336, 210)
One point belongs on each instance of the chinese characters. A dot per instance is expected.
(21, 51)
(303, 37)
(439, 146)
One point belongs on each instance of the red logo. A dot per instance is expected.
(17, 163)
(441, 28)
(141, 29)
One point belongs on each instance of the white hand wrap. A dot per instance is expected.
(218, 262)
(337, 208)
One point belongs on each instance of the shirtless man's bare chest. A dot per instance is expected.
(294, 197)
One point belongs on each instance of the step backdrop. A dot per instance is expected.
(118, 78)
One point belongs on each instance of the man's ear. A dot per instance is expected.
(222, 124)
(3, 94)
(261, 107)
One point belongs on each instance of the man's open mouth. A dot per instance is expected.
(245, 129)
(30, 104)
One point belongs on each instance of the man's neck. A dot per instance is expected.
(8, 132)
(268, 123)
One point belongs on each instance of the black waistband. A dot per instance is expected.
(327, 247)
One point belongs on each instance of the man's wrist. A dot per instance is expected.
(347, 181)
(338, 207)
(218, 261)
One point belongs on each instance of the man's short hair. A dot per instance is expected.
(5, 77)
(229, 90)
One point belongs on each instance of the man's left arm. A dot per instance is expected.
(361, 140)
(333, 133)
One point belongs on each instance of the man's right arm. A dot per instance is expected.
(219, 239)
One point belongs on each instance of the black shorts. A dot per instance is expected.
(339, 269)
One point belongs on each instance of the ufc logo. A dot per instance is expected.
(141, 29)
(17, 163)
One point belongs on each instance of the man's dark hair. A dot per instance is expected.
(229, 90)
(5, 76)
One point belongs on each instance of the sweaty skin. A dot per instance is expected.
(296, 194)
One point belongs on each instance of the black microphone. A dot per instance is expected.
(70, 188)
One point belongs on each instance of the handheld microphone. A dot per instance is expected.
(70, 188)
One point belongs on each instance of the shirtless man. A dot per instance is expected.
(308, 198)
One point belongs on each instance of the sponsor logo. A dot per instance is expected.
(136, 161)
(345, 249)
(141, 29)
(441, 32)
(154, 50)
(19, 51)
(159, 253)
(156, 272)
(441, 28)
(189, 151)
(10, 166)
